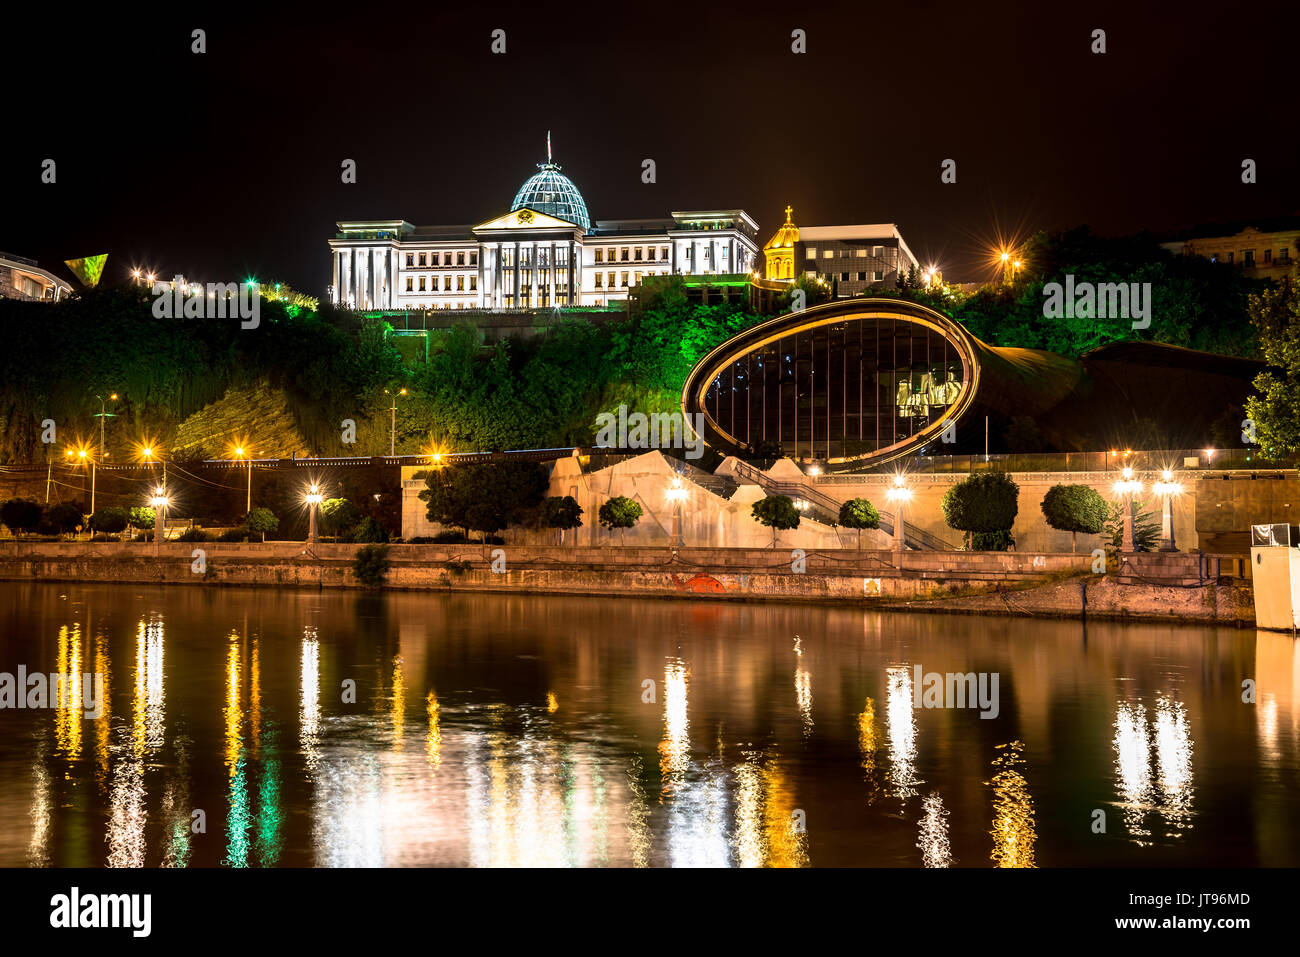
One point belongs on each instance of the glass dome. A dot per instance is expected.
(550, 191)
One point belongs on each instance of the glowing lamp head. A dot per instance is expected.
(159, 499)
(814, 470)
(81, 453)
(1127, 473)
(314, 496)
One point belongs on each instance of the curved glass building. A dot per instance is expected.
(859, 382)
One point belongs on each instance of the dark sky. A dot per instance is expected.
(227, 164)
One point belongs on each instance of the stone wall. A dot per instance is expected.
(1054, 585)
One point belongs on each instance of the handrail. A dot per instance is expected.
(914, 537)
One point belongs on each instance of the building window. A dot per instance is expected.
(409, 281)
(812, 252)
(811, 273)
(860, 277)
(664, 252)
(877, 251)
(625, 277)
(446, 284)
(421, 284)
(878, 276)
(1248, 258)
(410, 259)
(473, 258)
(473, 283)
(637, 278)
(1284, 254)
(460, 259)
(861, 253)
(600, 255)
(609, 279)
(844, 277)
(638, 253)
(651, 251)
(423, 262)
(460, 282)
(828, 254)
(625, 252)
(598, 282)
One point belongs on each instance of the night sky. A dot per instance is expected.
(228, 164)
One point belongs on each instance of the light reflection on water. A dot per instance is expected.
(507, 731)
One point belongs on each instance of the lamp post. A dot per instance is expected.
(103, 414)
(1126, 488)
(1168, 490)
(84, 456)
(900, 495)
(392, 435)
(676, 494)
(314, 498)
(239, 454)
(159, 503)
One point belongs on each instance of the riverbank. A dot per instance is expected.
(1053, 585)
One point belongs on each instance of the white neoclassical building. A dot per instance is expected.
(545, 252)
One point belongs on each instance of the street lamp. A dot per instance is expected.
(1168, 490)
(83, 456)
(1126, 488)
(314, 498)
(392, 439)
(159, 503)
(676, 494)
(900, 495)
(103, 453)
(239, 454)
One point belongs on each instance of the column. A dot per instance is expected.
(335, 256)
(482, 286)
(517, 297)
(352, 262)
(370, 278)
(552, 277)
(574, 278)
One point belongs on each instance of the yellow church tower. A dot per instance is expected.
(778, 252)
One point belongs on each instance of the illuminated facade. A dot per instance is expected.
(851, 259)
(22, 278)
(546, 251)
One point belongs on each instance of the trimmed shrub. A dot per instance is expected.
(1075, 509)
(111, 520)
(778, 513)
(619, 512)
(371, 565)
(859, 513)
(984, 506)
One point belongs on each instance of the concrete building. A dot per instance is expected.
(851, 259)
(1261, 249)
(545, 252)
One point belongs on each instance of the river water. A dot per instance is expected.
(262, 728)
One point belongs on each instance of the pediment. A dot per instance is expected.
(526, 218)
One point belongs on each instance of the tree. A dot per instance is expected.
(109, 520)
(859, 513)
(261, 520)
(338, 515)
(778, 513)
(1146, 528)
(20, 515)
(983, 506)
(1275, 313)
(142, 517)
(1075, 509)
(560, 512)
(369, 530)
(64, 517)
(371, 565)
(484, 497)
(619, 512)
